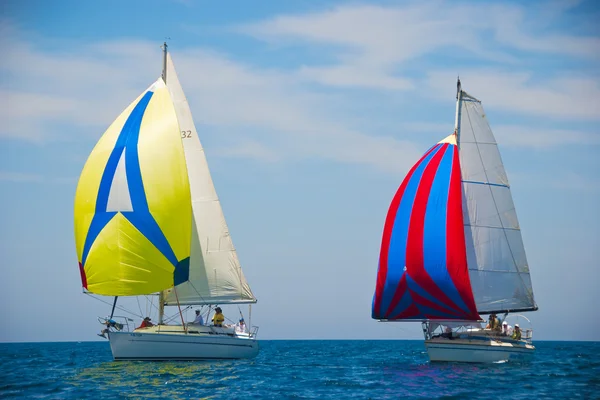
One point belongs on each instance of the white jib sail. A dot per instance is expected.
(216, 276)
(496, 257)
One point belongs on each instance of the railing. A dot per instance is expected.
(122, 324)
(453, 330)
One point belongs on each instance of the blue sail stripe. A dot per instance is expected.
(435, 313)
(98, 223)
(134, 173)
(434, 231)
(402, 305)
(145, 223)
(140, 217)
(415, 287)
(131, 126)
(397, 248)
(101, 216)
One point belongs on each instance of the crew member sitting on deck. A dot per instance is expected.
(240, 326)
(198, 320)
(218, 318)
(506, 329)
(493, 323)
(517, 333)
(146, 323)
(447, 333)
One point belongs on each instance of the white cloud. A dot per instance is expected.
(519, 92)
(373, 44)
(273, 114)
(520, 136)
(84, 88)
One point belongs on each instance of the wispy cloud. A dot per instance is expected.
(373, 44)
(302, 110)
(88, 87)
(565, 97)
(520, 136)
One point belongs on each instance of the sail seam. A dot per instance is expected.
(495, 204)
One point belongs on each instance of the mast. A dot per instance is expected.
(459, 94)
(161, 296)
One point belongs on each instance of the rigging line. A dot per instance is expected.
(138, 303)
(196, 290)
(118, 307)
(172, 317)
(494, 198)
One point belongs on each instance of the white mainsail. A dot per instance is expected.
(216, 276)
(496, 257)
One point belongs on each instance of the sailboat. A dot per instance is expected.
(148, 222)
(452, 250)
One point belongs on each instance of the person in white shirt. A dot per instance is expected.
(506, 329)
(198, 320)
(240, 326)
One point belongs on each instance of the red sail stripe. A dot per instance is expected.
(420, 300)
(414, 246)
(411, 312)
(456, 252)
(83, 277)
(387, 235)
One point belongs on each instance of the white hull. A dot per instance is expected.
(478, 350)
(171, 343)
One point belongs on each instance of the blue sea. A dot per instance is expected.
(298, 369)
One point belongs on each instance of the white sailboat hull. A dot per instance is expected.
(155, 345)
(478, 351)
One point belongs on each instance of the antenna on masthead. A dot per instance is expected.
(459, 96)
(164, 71)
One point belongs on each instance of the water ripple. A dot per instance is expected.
(297, 370)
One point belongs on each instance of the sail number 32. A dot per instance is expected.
(186, 134)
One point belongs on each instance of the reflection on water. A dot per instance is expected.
(426, 378)
(297, 369)
(175, 380)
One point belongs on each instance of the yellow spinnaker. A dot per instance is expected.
(133, 213)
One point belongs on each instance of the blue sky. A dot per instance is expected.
(310, 113)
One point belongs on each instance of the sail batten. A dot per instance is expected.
(215, 274)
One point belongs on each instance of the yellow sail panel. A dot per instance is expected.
(161, 163)
(142, 268)
(89, 180)
(133, 206)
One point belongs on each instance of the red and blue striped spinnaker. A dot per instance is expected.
(423, 264)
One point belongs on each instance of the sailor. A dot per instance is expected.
(493, 323)
(517, 333)
(506, 329)
(198, 320)
(240, 326)
(146, 323)
(218, 318)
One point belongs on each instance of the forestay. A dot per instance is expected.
(215, 275)
(496, 257)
